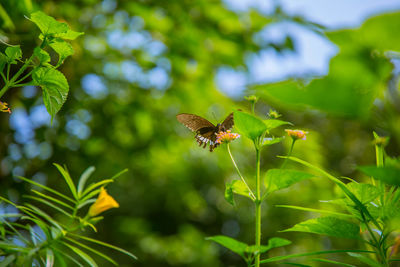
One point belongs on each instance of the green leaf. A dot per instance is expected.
(237, 187)
(271, 141)
(41, 55)
(55, 88)
(7, 260)
(50, 205)
(273, 123)
(274, 242)
(334, 262)
(280, 258)
(277, 179)
(365, 259)
(3, 61)
(330, 226)
(84, 177)
(336, 214)
(48, 25)
(82, 254)
(13, 54)
(387, 174)
(249, 125)
(105, 245)
(62, 48)
(68, 180)
(364, 192)
(230, 243)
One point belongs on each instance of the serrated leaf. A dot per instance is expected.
(249, 125)
(237, 187)
(278, 179)
(41, 55)
(62, 48)
(387, 174)
(48, 25)
(273, 123)
(330, 226)
(55, 88)
(364, 192)
(230, 243)
(13, 54)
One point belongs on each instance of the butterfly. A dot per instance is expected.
(206, 132)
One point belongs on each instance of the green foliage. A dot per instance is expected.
(248, 252)
(237, 187)
(50, 239)
(342, 92)
(53, 82)
(387, 174)
(329, 225)
(249, 125)
(277, 179)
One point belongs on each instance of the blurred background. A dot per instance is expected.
(325, 66)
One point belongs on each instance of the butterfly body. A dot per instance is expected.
(206, 132)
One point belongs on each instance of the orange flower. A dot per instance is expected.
(296, 134)
(4, 108)
(226, 137)
(104, 202)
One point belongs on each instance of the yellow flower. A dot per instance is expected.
(226, 137)
(296, 134)
(4, 108)
(104, 202)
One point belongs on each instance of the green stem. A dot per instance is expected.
(10, 83)
(253, 197)
(289, 154)
(258, 207)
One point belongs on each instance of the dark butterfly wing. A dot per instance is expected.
(227, 124)
(194, 122)
(206, 132)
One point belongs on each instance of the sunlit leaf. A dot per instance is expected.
(273, 123)
(277, 179)
(387, 174)
(249, 125)
(230, 243)
(13, 53)
(330, 226)
(364, 192)
(237, 187)
(364, 259)
(63, 49)
(41, 55)
(84, 177)
(55, 88)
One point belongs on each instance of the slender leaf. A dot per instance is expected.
(84, 177)
(7, 260)
(46, 188)
(330, 226)
(68, 180)
(280, 258)
(365, 259)
(334, 262)
(92, 250)
(274, 242)
(52, 199)
(105, 245)
(337, 214)
(95, 185)
(49, 204)
(82, 254)
(44, 215)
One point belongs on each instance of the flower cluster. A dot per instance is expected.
(103, 202)
(226, 137)
(4, 107)
(296, 134)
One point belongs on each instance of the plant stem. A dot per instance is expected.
(289, 154)
(10, 83)
(253, 197)
(258, 207)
